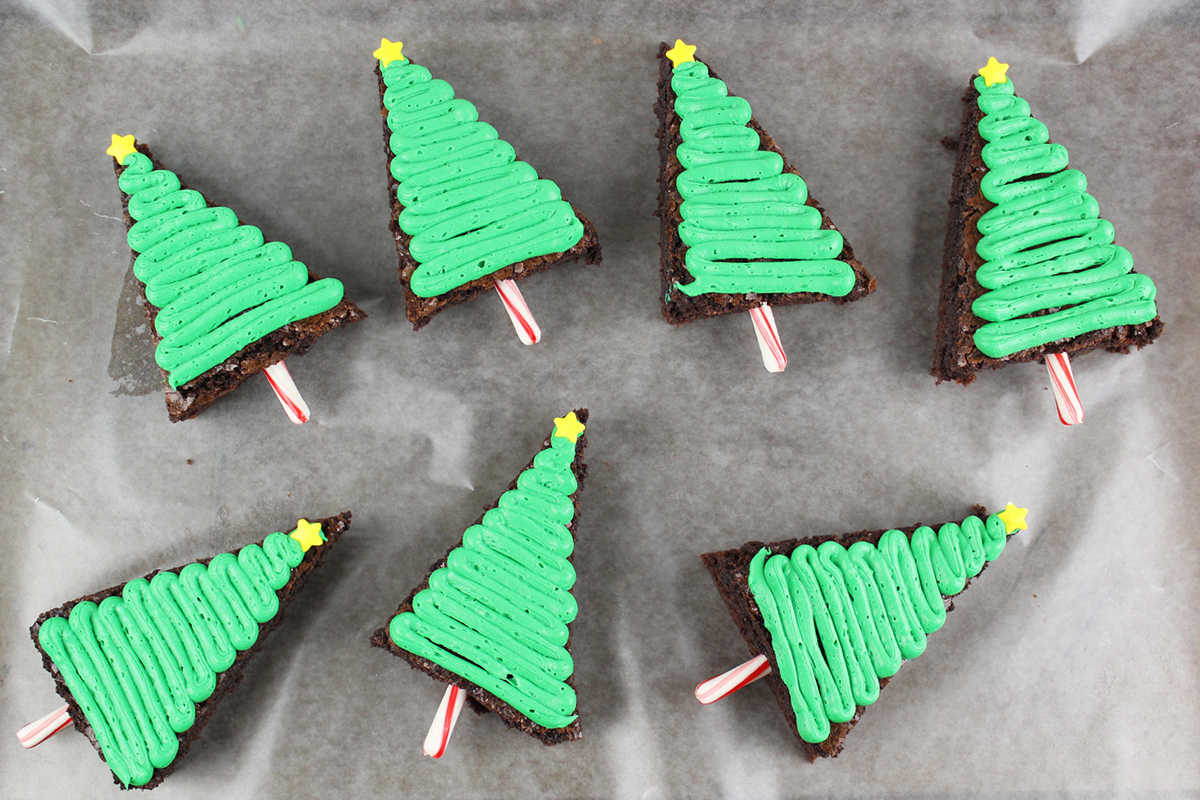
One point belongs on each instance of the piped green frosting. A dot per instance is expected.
(470, 206)
(139, 662)
(840, 619)
(745, 221)
(218, 286)
(1045, 247)
(497, 613)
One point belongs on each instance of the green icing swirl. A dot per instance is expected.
(497, 613)
(745, 220)
(139, 662)
(842, 618)
(470, 206)
(1044, 245)
(218, 285)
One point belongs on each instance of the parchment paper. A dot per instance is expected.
(1069, 667)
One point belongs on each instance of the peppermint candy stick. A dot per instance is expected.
(727, 683)
(518, 311)
(774, 359)
(35, 733)
(443, 724)
(289, 396)
(1066, 396)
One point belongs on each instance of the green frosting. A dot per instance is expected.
(1044, 245)
(745, 220)
(842, 618)
(470, 207)
(497, 613)
(139, 662)
(218, 286)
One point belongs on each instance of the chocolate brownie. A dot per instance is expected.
(678, 307)
(956, 356)
(420, 310)
(227, 680)
(192, 397)
(482, 699)
(730, 571)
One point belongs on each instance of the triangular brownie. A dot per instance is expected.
(493, 616)
(738, 227)
(1029, 268)
(222, 303)
(836, 616)
(144, 665)
(466, 212)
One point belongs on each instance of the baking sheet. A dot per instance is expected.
(1070, 666)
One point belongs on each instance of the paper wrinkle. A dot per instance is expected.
(438, 417)
(71, 18)
(272, 727)
(636, 761)
(1098, 22)
(10, 308)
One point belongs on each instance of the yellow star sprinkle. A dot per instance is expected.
(307, 534)
(993, 72)
(681, 52)
(390, 51)
(1013, 518)
(121, 146)
(568, 427)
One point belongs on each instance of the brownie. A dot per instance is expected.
(294, 338)
(730, 569)
(227, 681)
(678, 307)
(956, 358)
(420, 310)
(481, 699)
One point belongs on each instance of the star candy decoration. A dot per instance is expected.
(681, 52)
(993, 72)
(568, 427)
(121, 146)
(307, 534)
(389, 52)
(1013, 518)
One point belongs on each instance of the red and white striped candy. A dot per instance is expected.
(35, 733)
(726, 684)
(774, 359)
(443, 724)
(289, 396)
(522, 318)
(1066, 396)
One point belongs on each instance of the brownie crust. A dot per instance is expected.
(420, 310)
(481, 699)
(294, 338)
(956, 358)
(730, 570)
(678, 307)
(227, 681)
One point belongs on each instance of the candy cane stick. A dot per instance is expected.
(35, 733)
(518, 311)
(1066, 396)
(289, 396)
(774, 359)
(726, 684)
(443, 724)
